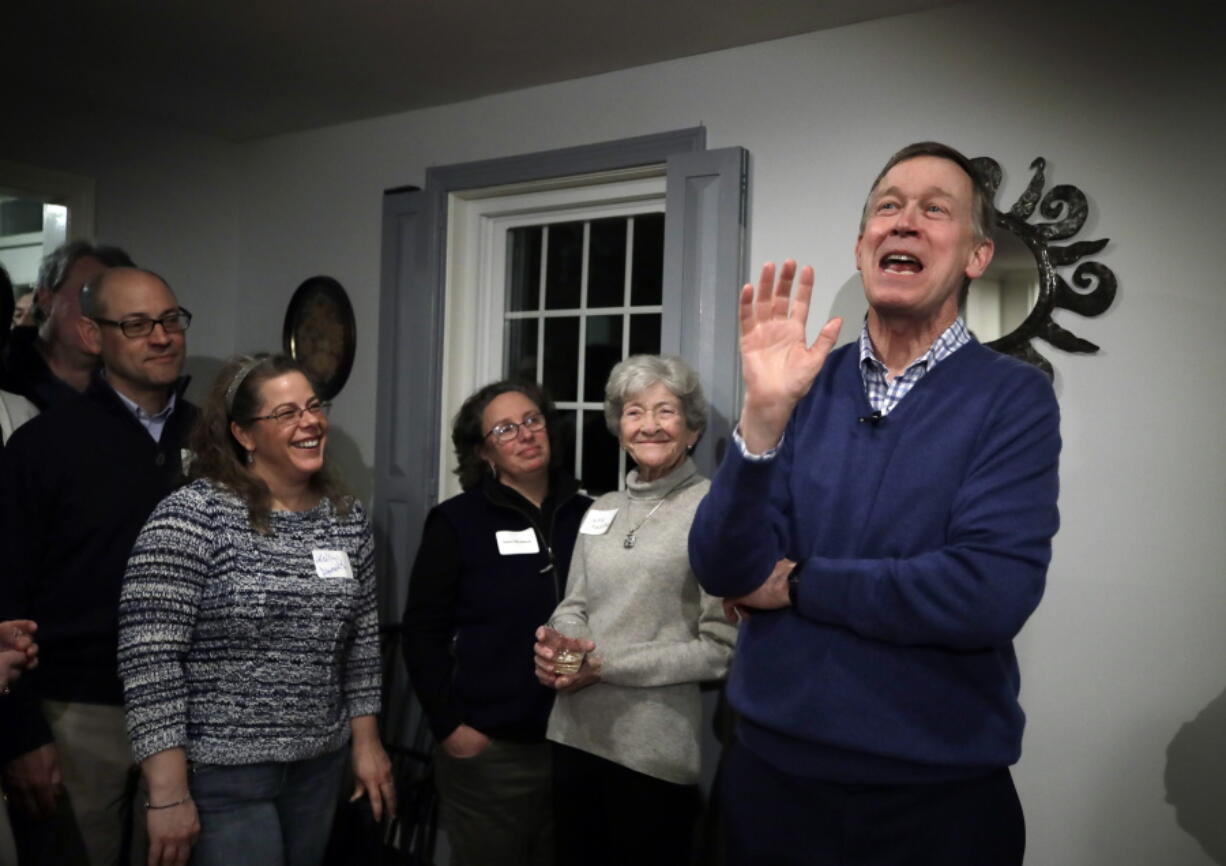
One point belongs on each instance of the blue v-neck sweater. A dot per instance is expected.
(924, 540)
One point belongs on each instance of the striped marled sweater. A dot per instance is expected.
(231, 644)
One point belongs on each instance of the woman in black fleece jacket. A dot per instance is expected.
(491, 567)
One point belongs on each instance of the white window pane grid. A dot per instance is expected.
(580, 406)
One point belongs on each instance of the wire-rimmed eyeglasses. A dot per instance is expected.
(287, 415)
(508, 431)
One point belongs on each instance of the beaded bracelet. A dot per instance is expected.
(149, 805)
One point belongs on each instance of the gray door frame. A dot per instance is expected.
(705, 229)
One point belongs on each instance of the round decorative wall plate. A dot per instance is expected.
(321, 334)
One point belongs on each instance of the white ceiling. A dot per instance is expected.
(242, 69)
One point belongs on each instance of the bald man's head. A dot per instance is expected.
(93, 294)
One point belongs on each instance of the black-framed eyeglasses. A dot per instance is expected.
(287, 415)
(508, 431)
(172, 323)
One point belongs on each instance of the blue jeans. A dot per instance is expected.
(269, 814)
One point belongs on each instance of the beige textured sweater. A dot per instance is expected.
(658, 634)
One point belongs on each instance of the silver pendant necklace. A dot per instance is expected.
(631, 538)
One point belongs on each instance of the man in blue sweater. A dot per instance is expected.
(886, 526)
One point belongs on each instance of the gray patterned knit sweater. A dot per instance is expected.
(243, 647)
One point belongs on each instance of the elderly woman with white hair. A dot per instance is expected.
(625, 726)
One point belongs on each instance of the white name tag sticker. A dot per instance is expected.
(597, 522)
(511, 543)
(332, 563)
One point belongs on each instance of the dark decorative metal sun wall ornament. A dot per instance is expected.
(1066, 209)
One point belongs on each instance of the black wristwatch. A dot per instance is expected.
(793, 584)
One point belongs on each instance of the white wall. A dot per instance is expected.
(1129, 645)
(170, 198)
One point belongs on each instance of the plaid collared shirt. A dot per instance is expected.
(883, 395)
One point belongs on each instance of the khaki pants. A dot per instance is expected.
(94, 813)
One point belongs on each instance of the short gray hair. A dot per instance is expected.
(983, 212)
(57, 263)
(639, 372)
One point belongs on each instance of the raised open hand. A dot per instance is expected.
(778, 365)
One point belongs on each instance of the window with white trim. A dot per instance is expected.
(581, 296)
(556, 286)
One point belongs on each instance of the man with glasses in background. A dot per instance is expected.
(76, 485)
